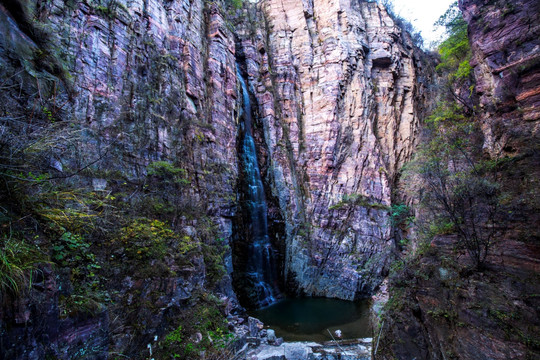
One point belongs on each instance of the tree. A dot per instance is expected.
(458, 184)
(455, 52)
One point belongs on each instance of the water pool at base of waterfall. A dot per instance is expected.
(309, 319)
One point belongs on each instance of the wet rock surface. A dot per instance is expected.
(352, 350)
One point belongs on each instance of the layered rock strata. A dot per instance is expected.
(338, 86)
(129, 83)
(120, 85)
(506, 58)
(443, 309)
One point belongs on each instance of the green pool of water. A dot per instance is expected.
(309, 319)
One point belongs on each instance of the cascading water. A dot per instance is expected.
(261, 272)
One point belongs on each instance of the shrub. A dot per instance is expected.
(167, 189)
(205, 319)
(458, 187)
(146, 239)
(350, 200)
(455, 48)
(400, 214)
(168, 173)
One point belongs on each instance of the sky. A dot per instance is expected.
(422, 14)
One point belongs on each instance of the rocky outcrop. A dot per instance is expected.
(115, 86)
(338, 85)
(506, 62)
(440, 308)
(506, 58)
(346, 350)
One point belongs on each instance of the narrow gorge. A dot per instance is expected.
(170, 167)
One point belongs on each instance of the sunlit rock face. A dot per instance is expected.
(338, 88)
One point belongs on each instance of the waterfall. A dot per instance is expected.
(261, 267)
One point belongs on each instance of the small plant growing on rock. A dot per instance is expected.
(203, 335)
(18, 262)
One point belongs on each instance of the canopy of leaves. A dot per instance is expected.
(455, 50)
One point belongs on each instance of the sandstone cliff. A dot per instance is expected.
(130, 104)
(339, 87)
(120, 161)
(441, 310)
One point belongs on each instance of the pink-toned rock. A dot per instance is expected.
(337, 91)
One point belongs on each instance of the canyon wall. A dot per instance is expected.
(440, 310)
(119, 122)
(339, 87)
(92, 94)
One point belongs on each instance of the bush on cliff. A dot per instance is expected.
(458, 186)
(18, 264)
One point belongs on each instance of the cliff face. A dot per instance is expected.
(505, 60)
(441, 310)
(92, 94)
(119, 125)
(338, 86)
(506, 63)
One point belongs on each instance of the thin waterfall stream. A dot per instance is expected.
(261, 263)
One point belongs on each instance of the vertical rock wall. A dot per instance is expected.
(506, 58)
(447, 313)
(505, 41)
(144, 81)
(338, 87)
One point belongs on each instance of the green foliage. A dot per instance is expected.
(396, 302)
(464, 70)
(77, 305)
(165, 190)
(68, 244)
(167, 172)
(458, 188)
(237, 4)
(174, 338)
(213, 261)
(350, 200)
(66, 209)
(455, 50)
(400, 214)
(18, 262)
(146, 239)
(71, 250)
(456, 46)
(443, 314)
(205, 319)
(441, 227)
